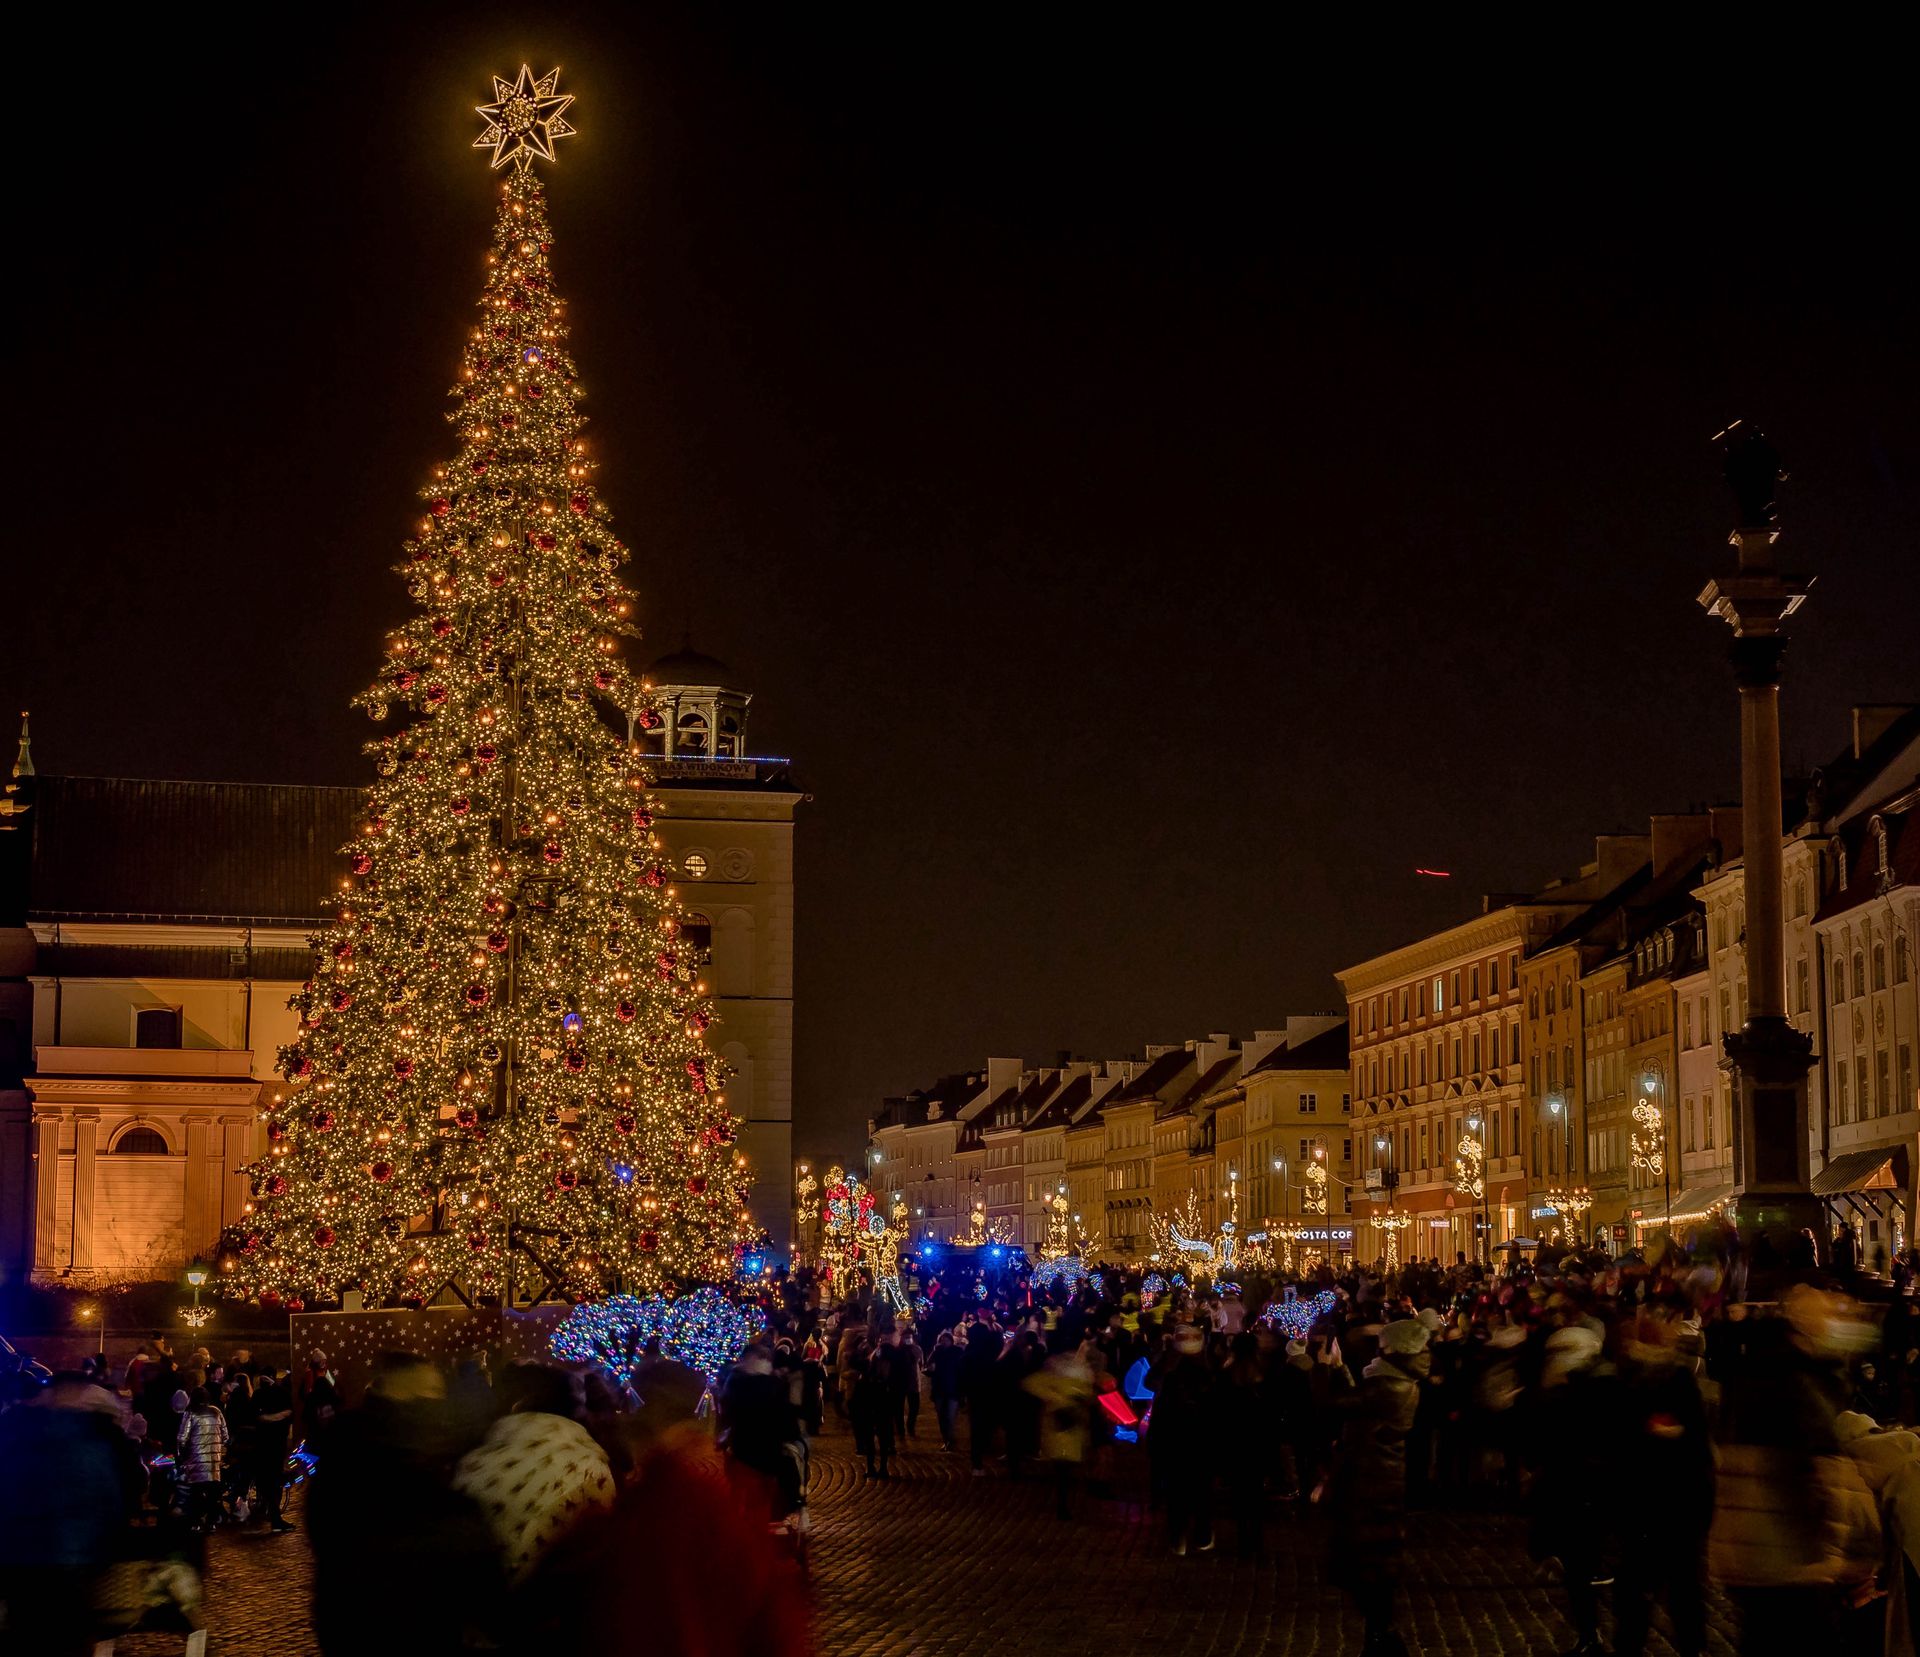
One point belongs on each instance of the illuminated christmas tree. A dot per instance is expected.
(501, 1083)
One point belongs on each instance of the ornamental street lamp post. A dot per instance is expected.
(1769, 1058)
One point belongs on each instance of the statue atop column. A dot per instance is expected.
(1752, 467)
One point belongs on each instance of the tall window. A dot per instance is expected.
(1439, 995)
(1859, 973)
(1473, 983)
(1862, 1098)
(1549, 1000)
(1884, 1089)
(1842, 1113)
(1493, 977)
(1839, 980)
(1879, 966)
(1800, 981)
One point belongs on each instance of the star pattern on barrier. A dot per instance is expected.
(524, 119)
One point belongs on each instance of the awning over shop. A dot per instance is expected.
(1691, 1206)
(1878, 1168)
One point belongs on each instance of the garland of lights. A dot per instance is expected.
(703, 1330)
(1295, 1317)
(501, 1078)
(1068, 1269)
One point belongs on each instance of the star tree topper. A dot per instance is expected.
(525, 118)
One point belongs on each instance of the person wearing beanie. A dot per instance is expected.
(1370, 1481)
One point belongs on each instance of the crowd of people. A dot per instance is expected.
(1662, 1424)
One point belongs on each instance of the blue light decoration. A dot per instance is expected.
(623, 1172)
(1152, 1287)
(703, 1330)
(1134, 1382)
(1067, 1269)
(573, 1024)
(533, 354)
(1296, 1317)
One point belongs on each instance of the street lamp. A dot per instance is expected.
(196, 1316)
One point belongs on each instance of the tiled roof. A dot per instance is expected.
(1863, 855)
(121, 847)
(1326, 1051)
(1150, 1081)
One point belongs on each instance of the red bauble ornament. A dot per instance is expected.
(545, 542)
(566, 1179)
(466, 1116)
(441, 627)
(296, 1304)
(534, 393)
(276, 1130)
(579, 503)
(436, 694)
(382, 1171)
(323, 1236)
(575, 1061)
(320, 1121)
(441, 506)
(476, 1240)
(697, 1184)
(478, 995)
(643, 818)
(342, 1000)
(497, 942)
(460, 805)
(603, 680)
(402, 1068)
(276, 1185)
(624, 1124)
(405, 680)
(552, 851)
(362, 863)
(509, 421)
(697, 1022)
(653, 876)
(649, 720)
(479, 468)
(269, 1299)
(485, 754)
(665, 962)
(625, 1011)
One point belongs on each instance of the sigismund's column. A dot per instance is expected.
(1768, 1057)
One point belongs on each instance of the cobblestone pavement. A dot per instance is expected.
(935, 1563)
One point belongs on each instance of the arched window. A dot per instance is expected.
(1900, 968)
(140, 1141)
(1533, 1003)
(1859, 973)
(1549, 1001)
(1839, 980)
(690, 733)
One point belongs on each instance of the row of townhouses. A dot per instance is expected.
(1229, 1123)
(1547, 1071)
(1570, 1041)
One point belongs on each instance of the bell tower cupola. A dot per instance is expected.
(703, 711)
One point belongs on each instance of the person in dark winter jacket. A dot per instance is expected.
(1665, 1448)
(1370, 1481)
(1182, 1439)
(870, 1407)
(945, 1365)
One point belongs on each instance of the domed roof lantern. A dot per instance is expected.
(702, 707)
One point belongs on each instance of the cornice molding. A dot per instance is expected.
(1504, 928)
(168, 935)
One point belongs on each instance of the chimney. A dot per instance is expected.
(1001, 1075)
(1259, 1045)
(1871, 721)
(1679, 835)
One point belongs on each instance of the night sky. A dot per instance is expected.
(1161, 486)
